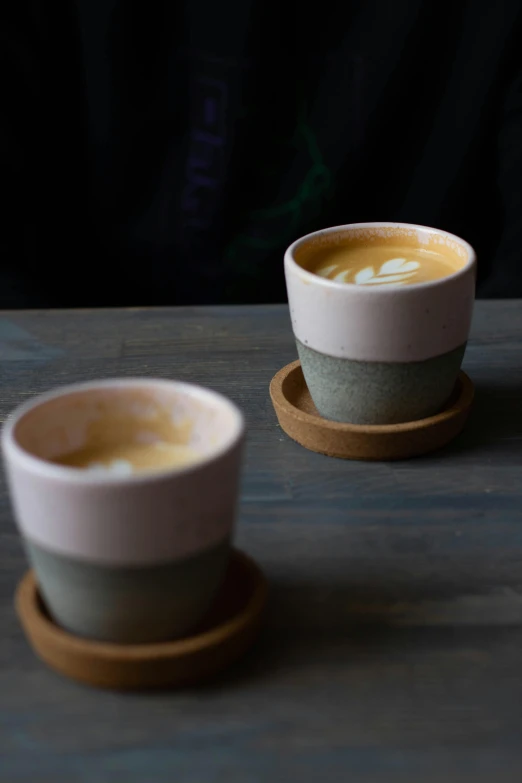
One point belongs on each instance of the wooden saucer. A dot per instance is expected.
(300, 420)
(228, 631)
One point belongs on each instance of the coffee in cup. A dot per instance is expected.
(381, 314)
(122, 443)
(388, 263)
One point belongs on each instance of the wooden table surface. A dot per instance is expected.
(392, 648)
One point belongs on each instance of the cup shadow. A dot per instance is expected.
(495, 419)
(310, 623)
(297, 630)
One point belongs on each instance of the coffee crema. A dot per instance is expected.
(128, 458)
(131, 435)
(376, 264)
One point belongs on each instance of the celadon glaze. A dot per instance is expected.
(379, 392)
(129, 605)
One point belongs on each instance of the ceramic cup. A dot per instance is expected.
(380, 354)
(126, 558)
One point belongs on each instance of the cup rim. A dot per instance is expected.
(377, 290)
(14, 452)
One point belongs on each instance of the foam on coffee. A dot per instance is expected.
(137, 436)
(376, 261)
(127, 458)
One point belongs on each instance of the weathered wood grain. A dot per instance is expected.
(392, 649)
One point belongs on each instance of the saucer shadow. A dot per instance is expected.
(309, 624)
(495, 420)
(313, 623)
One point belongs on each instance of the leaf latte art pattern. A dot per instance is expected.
(396, 271)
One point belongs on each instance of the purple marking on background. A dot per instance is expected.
(210, 111)
(208, 138)
(204, 165)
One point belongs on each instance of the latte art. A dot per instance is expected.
(396, 271)
(381, 265)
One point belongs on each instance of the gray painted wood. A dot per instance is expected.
(393, 644)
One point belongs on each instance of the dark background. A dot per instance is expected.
(168, 152)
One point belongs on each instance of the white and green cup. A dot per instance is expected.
(126, 558)
(380, 354)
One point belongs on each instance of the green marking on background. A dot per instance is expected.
(316, 182)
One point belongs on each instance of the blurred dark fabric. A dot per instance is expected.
(168, 152)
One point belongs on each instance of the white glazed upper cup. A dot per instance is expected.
(377, 325)
(125, 541)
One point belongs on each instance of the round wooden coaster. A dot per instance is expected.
(298, 417)
(228, 631)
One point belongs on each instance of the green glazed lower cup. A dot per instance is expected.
(358, 392)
